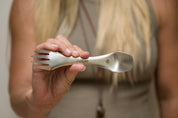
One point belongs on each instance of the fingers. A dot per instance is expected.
(83, 54)
(72, 71)
(68, 76)
(75, 68)
(76, 51)
(65, 41)
(61, 44)
(55, 45)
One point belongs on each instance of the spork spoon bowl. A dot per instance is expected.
(115, 61)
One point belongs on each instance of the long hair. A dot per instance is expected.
(53, 16)
(124, 25)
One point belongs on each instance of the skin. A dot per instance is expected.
(167, 80)
(35, 92)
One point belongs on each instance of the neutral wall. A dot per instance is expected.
(5, 109)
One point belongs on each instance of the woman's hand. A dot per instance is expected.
(48, 87)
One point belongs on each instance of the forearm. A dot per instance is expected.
(169, 108)
(22, 107)
(168, 95)
(18, 102)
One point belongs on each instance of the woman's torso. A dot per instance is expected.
(128, 100)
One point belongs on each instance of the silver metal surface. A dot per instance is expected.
(115, 61)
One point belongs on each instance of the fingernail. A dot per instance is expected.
(83, 69)
(68, 51)
(54, 46)
(75, 53)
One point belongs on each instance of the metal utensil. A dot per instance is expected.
(115, 61)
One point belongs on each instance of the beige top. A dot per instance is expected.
(128, 101)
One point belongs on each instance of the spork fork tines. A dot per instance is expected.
(49, 60)
(115, 61)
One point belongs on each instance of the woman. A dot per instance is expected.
(129, 26)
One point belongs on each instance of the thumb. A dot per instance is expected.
(72, 71)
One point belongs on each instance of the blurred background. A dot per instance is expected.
(5, 108)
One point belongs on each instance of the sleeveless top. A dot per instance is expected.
(137, 100)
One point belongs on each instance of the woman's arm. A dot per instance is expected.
(167, 13)
(23, 45)
(31, 92)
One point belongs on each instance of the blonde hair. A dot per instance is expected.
(124, 25)
(53, 16)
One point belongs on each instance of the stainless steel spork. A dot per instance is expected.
(115, 61)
